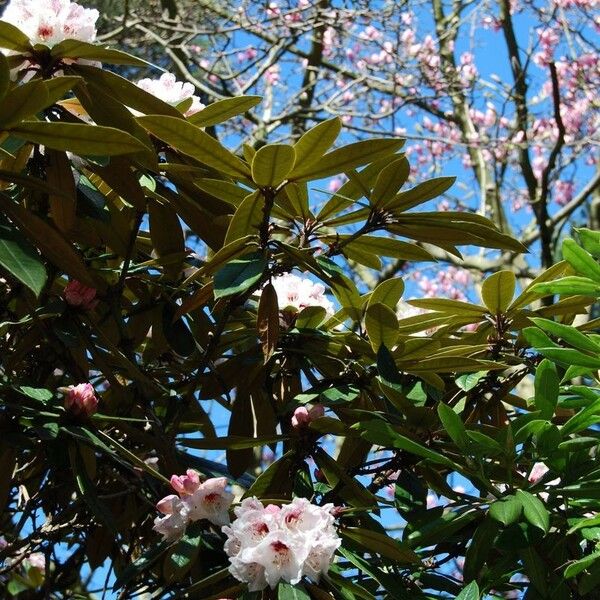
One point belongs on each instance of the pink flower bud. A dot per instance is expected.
(81, 400)
(165, 505)
(303, 415)
(187, 484)
(80, 296)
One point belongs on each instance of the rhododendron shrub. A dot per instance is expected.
(204, 393)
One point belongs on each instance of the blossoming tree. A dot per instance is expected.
(199, 401)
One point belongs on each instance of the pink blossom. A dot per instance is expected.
(303, 415)
(210, 501)
(172, 526)
(81, 400)
(297, 293)
(173, 92)
(52, 21)
(37, 560)
(79, 295)
(186, 484)
(538, 470)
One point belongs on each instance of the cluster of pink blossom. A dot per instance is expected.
(79, 295)
(81, 400)
(451, 283)
(298, 293)
(52, 21)
(196, 500)
(269, 544)
(173, 92)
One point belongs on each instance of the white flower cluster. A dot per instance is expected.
(208, 500)
(299, 293)
(267, 544)
(52, 21)
(171, 91)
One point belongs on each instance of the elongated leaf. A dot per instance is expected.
(346, 158)
(580, 260)
(471, 592)
(79, 49)
(195, 142)
(569, 286)
(381, 246)
(534, 510)
(381, 544)
(268, 320)
(285, 591)
(569, 334)
(390, 180)
(453, 425)
(272, 164)
(419, 194)
(23, 101)
(247, 218)
(507, 510)
(546, 386)
(222, 110)
(382, 325)
(239, 275)
(86, 140)
(316, 141)
(568, 356)
(13, 38)
(498, 290)
(4, 76)
(388, 292)
(590, 240)
(20, 259)
(451, 307)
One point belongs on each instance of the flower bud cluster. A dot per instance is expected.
(81, 400)
(298, 293)
(269, 544)
(208, 500)
(303, 415)
(171, 91)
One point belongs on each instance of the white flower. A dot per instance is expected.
(37, 560)
(173, 525)
(538, 470)
(171, 91)
(210, 501)
(267, 544)
(298, 293)
(281, 555)
(52, 21)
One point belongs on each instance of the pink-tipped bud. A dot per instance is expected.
(80, 296)
(303, 415)
(186, 485)
(81, 400)
(538, 470)
(165, 505)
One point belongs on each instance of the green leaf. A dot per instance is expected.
(498, 290)
(316, 141)
(569, 286)
(41, 394)
(247, 218)
(419, 194)
(385, 246)
(185, 552)
(85, 140)
(23, 101)
(534, 510)
(580, 260)
(582, 564)
(286, 591)
(590, 240)
(471, 592)
(470, 380)
(381, 433)
(507, 510)
(78, 49)
(453, 425)
(373, 541)
(450, 307)
(195, 142)
(346, 158)
(388, 292)
(381, 324)
(569, 334)
(568, 356)
(239, 275)
(222, 110)
(20, 259)
(546, 386)
(310, 317)
(4, 76)
(390, 180)
(272, 164)
(13, 38)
